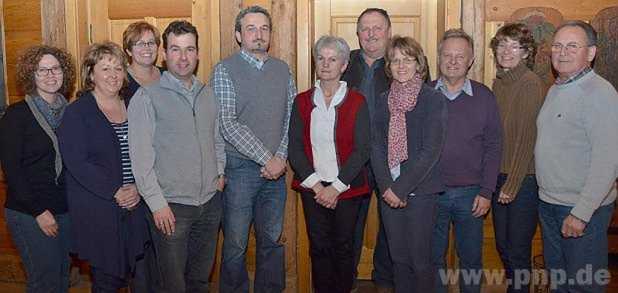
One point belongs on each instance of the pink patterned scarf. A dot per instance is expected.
(401, 99)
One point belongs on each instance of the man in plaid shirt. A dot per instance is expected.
(255, 93)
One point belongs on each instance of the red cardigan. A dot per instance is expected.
(352, 121)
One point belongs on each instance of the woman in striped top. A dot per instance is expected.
(109, 228)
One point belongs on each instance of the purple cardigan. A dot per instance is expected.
(473, 147)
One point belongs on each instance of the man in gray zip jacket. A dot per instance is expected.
(178, 160)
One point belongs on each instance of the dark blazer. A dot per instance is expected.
(426, 132)
(101, 230)
(28, 161)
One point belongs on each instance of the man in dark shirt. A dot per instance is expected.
(366, 74)
(470, 159)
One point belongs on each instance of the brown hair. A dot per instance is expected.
(134, 32)
(28, 64)
(407, 46)
(96, 52)
(517, 32)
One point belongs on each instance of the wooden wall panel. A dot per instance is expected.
(131, 9)
(227, 15)
(500, 10)
(53, 24)
(22, 29)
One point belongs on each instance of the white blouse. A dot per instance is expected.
(322, 133)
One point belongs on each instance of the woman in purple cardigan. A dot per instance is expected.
(109, 224)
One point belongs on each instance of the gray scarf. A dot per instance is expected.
(51, 112)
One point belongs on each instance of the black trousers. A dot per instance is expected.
(331, 242)
(409, 233)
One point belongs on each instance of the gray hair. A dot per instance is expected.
(591, 33)
(252, 9)
(337, 43)
(456, 33)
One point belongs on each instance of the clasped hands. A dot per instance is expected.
(274, 168)
(326, 196)
(127, 196)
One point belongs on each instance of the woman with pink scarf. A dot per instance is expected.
(407, 137)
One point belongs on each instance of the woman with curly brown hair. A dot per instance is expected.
(520, 94)
(36, 204)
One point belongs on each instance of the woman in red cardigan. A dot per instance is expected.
(328, 149)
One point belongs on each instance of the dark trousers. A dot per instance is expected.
(182, 262)
(105, 283)
(409, 234)
(331, 239)
(514, 227)
(382, 273)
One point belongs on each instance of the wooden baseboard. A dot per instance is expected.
(11, 269)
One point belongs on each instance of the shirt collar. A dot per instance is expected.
(574, 77)
(177, 83)
(467, 89)
(318, 96)
(253, 61)
(379, 62)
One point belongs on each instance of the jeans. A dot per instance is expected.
(575, 264)
(182, 262)
(455, 205)
(514, 227)
(409, 231)
(249, 198)
(382, 273)
(331, 239)
(45, 259)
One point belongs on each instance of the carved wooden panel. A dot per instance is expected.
(542, 22)
(606, 62)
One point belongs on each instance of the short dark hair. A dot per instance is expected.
(28, 63)
(520, 33)
(591, 33)
(252, 9)
(374, 10)
(179, 27)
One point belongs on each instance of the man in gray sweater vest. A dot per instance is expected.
(576, 164)
(255, 93)
(178, 159)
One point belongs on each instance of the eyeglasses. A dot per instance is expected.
(142, 44)
(510, 48)
(404, 61)
(44, 72)
(571, 48)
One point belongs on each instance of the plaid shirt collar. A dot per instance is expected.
(255, 62)
(574, 77)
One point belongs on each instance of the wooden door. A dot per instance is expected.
(414, 18)
(94, 21)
